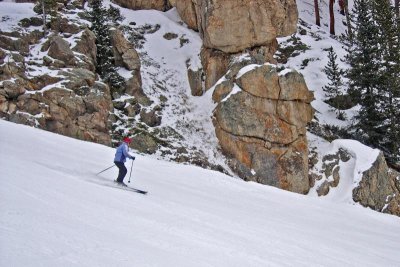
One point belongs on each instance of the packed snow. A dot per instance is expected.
(361, 159)
(55, 212)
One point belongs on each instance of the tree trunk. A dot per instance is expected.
(341, 5)
(396, 7)
(316, 8)
(332, 17)
(44, 18)
(348, 21)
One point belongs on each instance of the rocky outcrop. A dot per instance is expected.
(126, 56)
(161, 5)
(260, 123)
(187, 11)
(124, 53)
(58, 48)
(215, 64)
(86, 46)
(379, 188)
(195, 78)
(15, 41)
(260, 22)
(81, 111)
(62, 25)
(330, 171)
(68, 100)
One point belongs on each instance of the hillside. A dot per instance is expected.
(53, 211)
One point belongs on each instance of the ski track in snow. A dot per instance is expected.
(52, 214)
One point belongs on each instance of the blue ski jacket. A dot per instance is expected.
(122, 153)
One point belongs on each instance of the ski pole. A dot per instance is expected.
(105, 170)
(130, 173)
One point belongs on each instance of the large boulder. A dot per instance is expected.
(124, 53)
(187, 10)
(379, 188)
(215, 64)
(77, 78)
(58, 48)
(232, 25)
(195, 78)
(14, 44)
(161, 5)
(63, 25)
(262, 144)
(86, 45)
(231, 28)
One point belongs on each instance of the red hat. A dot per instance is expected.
(127, 140)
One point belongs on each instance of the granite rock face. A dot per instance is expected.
(187, 10)
(229, 27)
(161, 5)
(261, 124)
(233, 26)
(379, 188)
(69, 100)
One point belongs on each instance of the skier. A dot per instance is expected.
(120, 157)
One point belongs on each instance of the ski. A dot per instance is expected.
(113, 184)
(127, 188)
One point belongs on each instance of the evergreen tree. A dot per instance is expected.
(389, 80)
(334, 89)
(102, 20)
(364, 66)
(374, 80)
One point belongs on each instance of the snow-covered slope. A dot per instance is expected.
(311, 62)
(53, 212)
(164, 74)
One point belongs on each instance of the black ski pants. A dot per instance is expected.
(122, 171)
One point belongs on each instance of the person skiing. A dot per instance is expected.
(120, 157)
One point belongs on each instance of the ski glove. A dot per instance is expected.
(133, 158)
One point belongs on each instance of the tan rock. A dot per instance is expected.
(2, 56)
(215, 65)
(59, 49)
(187, 11)
(87, 45)
(13, 89)
(379, 188)
(161, 5)
(3, 104)
(323, 189)
(295, 112)
(278, 131)
(60, 24)
(77, 78)
(222, 90)
(263, 137)
(262, 81)
(124, 53)
(232, 26)
(195, 78)
(239, 119)
(293, 87)
(28, 104)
